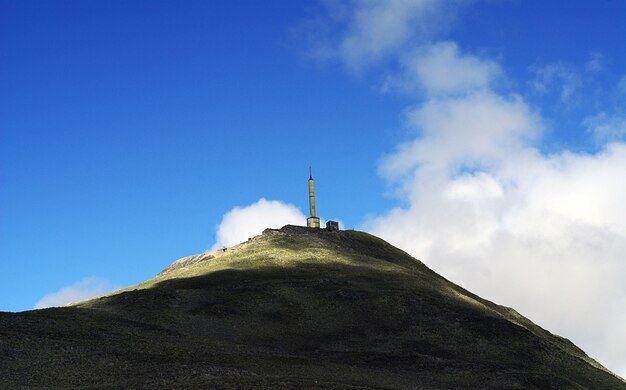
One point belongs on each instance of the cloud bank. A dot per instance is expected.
(86, 288)
(480, 202)
(241, 223)
(543, 234)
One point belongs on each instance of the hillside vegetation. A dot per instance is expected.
(292, 308)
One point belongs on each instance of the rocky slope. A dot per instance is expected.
(292, 308)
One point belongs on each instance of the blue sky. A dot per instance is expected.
(128, 131)
(133, 133)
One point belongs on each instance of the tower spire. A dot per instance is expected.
(313, 221)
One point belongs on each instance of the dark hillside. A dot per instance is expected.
(292, 308)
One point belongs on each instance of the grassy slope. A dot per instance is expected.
(295, 308)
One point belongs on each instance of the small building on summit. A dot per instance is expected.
(332, 226)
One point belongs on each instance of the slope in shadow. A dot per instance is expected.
(366, 314)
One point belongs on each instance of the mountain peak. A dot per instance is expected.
(294, 307)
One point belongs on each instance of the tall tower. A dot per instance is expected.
(312, 221)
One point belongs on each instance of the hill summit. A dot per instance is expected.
(292, 308)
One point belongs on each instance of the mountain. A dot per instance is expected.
(292, 308)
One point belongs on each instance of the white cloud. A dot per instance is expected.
(440, 68)
(87, 288)
(241, 223)
(543, 234)
(370, 30)
(478, 129)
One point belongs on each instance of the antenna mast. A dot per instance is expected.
(313, 221)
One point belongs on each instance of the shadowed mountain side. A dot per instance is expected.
(293, 308)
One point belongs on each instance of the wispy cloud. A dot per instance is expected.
(621, 85)
(606, 128)
(441, 69)
(566, 81)
(360, 33)
(86, 288)
(595, 63)
(559, 78)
